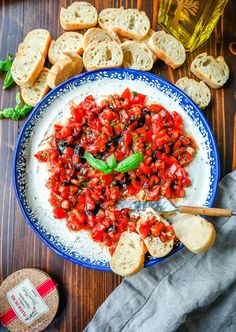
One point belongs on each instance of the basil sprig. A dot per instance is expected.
(5, 66)
(17, 112)
(110, 164)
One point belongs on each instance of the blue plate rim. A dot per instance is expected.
(52, 92)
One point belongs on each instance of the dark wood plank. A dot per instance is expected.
(83, 290)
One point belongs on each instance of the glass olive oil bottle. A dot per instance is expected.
(191, 21)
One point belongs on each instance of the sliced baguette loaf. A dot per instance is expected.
(196, 233)
(167, 48)
(197, 91)
(39, 39)
(132, 23)
(79, 15)
(137, 56)
(213, 71)
(33, 94)
(129, 255)
(95, 36)
(103, 55)
(154, 245)
(69, 65)
(67, 42)
(26, 66)
(106, 18)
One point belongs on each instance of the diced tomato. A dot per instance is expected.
(144, 229)
(59, 213)
(42, 155)
(98, 232)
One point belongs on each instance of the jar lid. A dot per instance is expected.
(29, 300)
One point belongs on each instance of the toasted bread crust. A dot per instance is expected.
(69, 65)
(129, 255)
(29, 95)
(35, 62)
(79, 15)
(213, 71)
(67, 42)
(159, 41)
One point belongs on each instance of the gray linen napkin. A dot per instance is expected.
(186, 292)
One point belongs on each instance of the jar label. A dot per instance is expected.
(26, 302)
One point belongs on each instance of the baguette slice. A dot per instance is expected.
(145, 41)
(95, 36)
(132, 23)
(106, 18)
(33, 94)
(26, 67)
(197, 91)
(137, 56)
(213, 71)
(103, 55)
(69, 65)
(79, 15)
(154, 245)
(39, 39)
(167, 48)
(196, 233)
(67, 42)
(129, 255)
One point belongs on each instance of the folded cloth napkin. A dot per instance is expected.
(186, 292)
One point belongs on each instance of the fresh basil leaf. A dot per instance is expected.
(25, 109)
(97, 163)
(5, 65)
(18, 98)
(111, 161)
(129, 163)
(8, 80)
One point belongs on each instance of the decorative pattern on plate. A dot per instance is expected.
(19, 163)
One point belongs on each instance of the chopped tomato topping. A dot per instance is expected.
(121, 125)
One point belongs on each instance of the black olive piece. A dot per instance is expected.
(80, 152)
(95, 210)
(121, 184)
(62, 145)
(66, 183)
(111, 228)
(116, 140)
(127, 178)
(111, 107)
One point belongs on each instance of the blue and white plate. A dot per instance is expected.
(30, 176)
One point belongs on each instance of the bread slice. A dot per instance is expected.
(39, 39)
(106, 18)
(154, 245)
(26, 66)
(69, 65)
(132, 23)
(79, 15)
(137, 56)
(196, 233)
(95, 36)
(197, 91)
(33, 94)
(103, 55)
(167, 48)
(145, 41)
(213, 71)
(67, 42)
(129, 255)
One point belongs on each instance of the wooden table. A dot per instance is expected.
(83, 290)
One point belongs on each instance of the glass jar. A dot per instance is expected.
(191, 21)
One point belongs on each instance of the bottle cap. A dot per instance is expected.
(29, 300)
